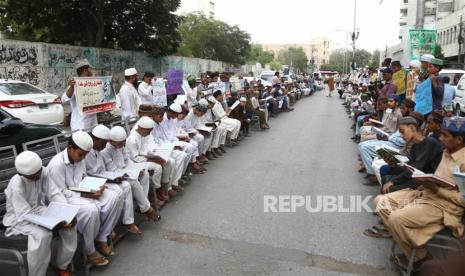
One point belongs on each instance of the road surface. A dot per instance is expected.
(218, 226)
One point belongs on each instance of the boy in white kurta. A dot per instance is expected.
(117, 159)
(97, 211)
(31, 189)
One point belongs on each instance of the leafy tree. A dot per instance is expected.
(275, 65)
(144, 25)
(438, 52)
(209, 38)
(331, 67)
(257, 54)
(362, 57)
(295, 57)
(375, 59)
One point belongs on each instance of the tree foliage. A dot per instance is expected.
(275, 65)
(209, 38)
(362, 58)
(331, 67)
(295, 57)
(143, 25)
(438, 52)
(257, 54)
(375, 59)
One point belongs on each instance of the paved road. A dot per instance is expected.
(218, 225)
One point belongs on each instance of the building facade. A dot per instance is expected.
(317, 51)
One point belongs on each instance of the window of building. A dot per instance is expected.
(447, 37)
(455, 34)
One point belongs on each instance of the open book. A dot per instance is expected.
(376, 122)
(235, 104)
(420, 176)
(460, 180)
(164, 152)
(89, 185)
(54, 214)
(380, 132)
(182, 135)
(113, 176)
(391, 158)
(204, 128)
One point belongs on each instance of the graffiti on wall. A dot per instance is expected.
(50, 66)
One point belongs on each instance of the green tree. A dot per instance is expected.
(209, 38)
(294, 57)
(438, 52)
(144, 25)
(331, 67)
(257, 54)
(362, 57)
(275, 65)
(375, 59)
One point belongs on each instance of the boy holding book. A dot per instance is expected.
(413, 217)
(31, 188)
(97, 210)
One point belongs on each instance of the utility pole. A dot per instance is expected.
(460, 40)
(420, 16)
(354, 35)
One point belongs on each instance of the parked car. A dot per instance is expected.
(13, 131)
(29, 103)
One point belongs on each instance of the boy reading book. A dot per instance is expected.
(30, 189)
(414, 216)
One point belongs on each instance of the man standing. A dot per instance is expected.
(145, 89)
(78, 121)
(412, 79)
(128, 95)
(398, 77)
(437, 82)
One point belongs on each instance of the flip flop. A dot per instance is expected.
(370, 232)
(97, 259)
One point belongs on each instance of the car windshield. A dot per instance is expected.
(19, 89)
(267, 78)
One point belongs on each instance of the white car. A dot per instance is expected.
(29, 103)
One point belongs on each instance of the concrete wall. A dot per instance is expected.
(49, 66)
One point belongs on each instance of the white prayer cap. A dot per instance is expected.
(130, 72)
(101, 132)
(175, 107)
(426, 57)
(211, 99)
(146, 122)
(82, 140)
(81, 63)
(243, 99)
(203, 102)
(415, 63)
(118, 134)
(365, 84)
(28, 163)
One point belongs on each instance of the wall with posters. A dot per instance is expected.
(49, 66)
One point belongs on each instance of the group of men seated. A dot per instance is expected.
(163, 149)
(411, 153)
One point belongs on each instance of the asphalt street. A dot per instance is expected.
(218, 226)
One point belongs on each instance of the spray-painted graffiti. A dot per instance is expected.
(28, 74)
(49, 66)
(14, 54)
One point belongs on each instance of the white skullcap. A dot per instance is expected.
(203, 102)
(82, 140)
(175, 107)
(118, 134)
(101, 132)
(130, 72)
(146, 122)
(211, 99)
(81, 63)
(243, 99)
(426, 57)
(365, 84)
(415, 64)
(28, 163)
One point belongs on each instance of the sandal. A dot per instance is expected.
(97, 259)
(132, 228)
(374, 233)
(401, 261)
(152, 214)
(105, 249)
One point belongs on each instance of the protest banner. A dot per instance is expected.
(94, 94)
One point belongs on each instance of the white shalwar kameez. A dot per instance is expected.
(129, 99)
(219, 135)
(22, 195)
(78, 121)
(137, 147)
(96, 217)
(96, 164)
(117, 160)
(232, 125)
(145, 93)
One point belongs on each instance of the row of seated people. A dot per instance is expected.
(395, 144)
(197, 135)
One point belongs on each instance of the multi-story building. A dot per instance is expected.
(207, 7)
(441, 15)
(317, 51)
